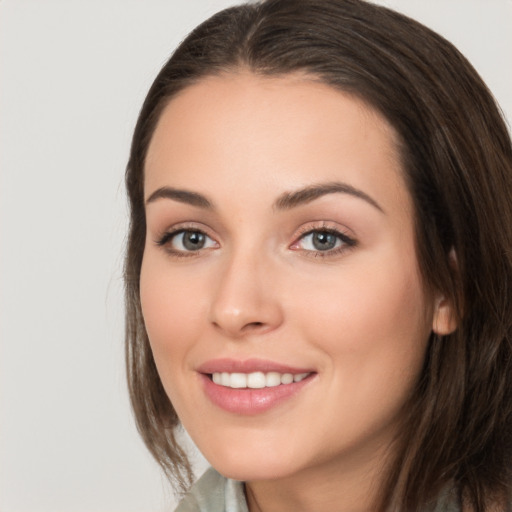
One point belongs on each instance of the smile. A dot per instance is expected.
(256, 380)
(252, 386)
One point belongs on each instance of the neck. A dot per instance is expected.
(348, 486)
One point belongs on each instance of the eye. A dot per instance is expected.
(186, 240)
(324, 241)
(320, 241)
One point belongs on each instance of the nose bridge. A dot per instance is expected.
(244, 300)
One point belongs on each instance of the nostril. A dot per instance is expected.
(253, 326)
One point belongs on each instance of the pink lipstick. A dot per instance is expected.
(252, 386)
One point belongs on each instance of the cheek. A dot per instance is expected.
(173, 306)
(372, 328)
(373, 320)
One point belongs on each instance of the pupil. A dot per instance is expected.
(193, 240)
(324, 241)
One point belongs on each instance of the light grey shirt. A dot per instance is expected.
(215, 493)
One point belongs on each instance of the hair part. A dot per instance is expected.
(457, 159)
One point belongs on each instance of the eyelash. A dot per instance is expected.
(347, 242)
(166, 239)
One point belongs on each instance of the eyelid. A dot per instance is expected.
(183, 226)
(164, 238)
(344, 234)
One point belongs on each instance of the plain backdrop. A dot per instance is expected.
(73, 76)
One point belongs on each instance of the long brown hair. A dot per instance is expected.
(457, 158)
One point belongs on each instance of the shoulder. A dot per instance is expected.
(448, 501)
(214, 493)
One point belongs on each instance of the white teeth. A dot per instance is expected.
(238, 380)
(225, 379)
(272, 379)
(256, 380)
(286, 378)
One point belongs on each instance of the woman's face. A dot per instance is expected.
(280, 285)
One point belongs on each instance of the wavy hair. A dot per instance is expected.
(457, 159)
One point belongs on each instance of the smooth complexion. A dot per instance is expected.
(280, 239)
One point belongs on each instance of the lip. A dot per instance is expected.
(248, 366)
(250, 401)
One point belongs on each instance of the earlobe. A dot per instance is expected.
(444, 320)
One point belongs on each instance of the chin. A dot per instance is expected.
(251, 473)
(246, 466)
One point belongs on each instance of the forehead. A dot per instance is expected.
(246, 98)
(292, 130)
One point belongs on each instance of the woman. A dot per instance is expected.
(319, 265)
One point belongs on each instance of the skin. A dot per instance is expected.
(358, 315)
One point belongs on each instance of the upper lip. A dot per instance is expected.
(248, 366)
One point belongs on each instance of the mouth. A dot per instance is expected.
(252, 386)
(256, 380)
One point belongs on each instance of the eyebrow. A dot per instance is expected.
(285, 201)
(182, 196)
(290, 200)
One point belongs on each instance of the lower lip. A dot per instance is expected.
(251, 401)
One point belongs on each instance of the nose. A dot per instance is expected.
(246, 297)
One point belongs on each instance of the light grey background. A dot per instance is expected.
(73, 76)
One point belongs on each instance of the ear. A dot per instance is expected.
(444, 320)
